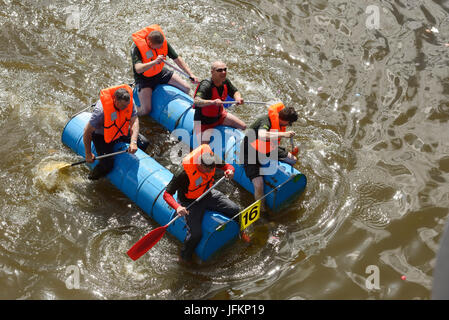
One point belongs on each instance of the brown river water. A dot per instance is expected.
(369, 79)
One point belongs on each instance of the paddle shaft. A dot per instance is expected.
(261, 198)
(247, 102)
(179, 70)
(100, 157)
(294, 148)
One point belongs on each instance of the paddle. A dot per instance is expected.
(153, 237)
(180, 71)
(220, 227)
(96, 158)
(295, 149)
(248, 102)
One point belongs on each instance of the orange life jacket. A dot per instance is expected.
(211, 110)
(116, 122)
(199, 181)
(148, 54)
(268, 146)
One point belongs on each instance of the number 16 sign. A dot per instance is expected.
(249, 215)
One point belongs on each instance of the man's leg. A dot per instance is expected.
(179, 83)
(105, 165)
(258, 190)
(285, 156)
(142, 141)
(221, 203)
(290, 159)
(233, 121)
(194, 230)
(217, 201)
(145, 101)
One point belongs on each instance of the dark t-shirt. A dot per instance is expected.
(180, 182)
(263, 122)
(204, 91)
(137, 58)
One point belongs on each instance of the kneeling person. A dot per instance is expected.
(192, 180)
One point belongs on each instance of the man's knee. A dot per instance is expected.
(258, 185)
(145, 101)
(145, 107)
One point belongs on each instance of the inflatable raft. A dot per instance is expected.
(172, 108)
(144, 180)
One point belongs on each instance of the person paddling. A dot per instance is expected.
(150, 48)
(114, 119)
(262, 140)
(208, 103)
(193, 179)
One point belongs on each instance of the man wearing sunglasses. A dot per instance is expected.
(208, 103)
(262, 141)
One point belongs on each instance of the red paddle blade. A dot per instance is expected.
(146, 243)
(295, 151)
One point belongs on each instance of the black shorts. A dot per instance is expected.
(252, 170)
(162, 77)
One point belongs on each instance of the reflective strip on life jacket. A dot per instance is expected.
(116, 122)
(266, 146)
(148, 54)
(199, 181)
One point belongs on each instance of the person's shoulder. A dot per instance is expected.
(98, 109)
(205, 86)
(228, 81)
(179, 172)
(262, 122)
(97, 116)
(135, 53)
(206, 82)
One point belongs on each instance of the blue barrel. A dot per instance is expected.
(172, 108)
(143, 180)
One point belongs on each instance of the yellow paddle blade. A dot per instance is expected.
(51, 174)
(54, 166)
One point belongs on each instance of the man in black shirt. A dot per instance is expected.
(208, 103)
(260, 143)
(190, 182)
